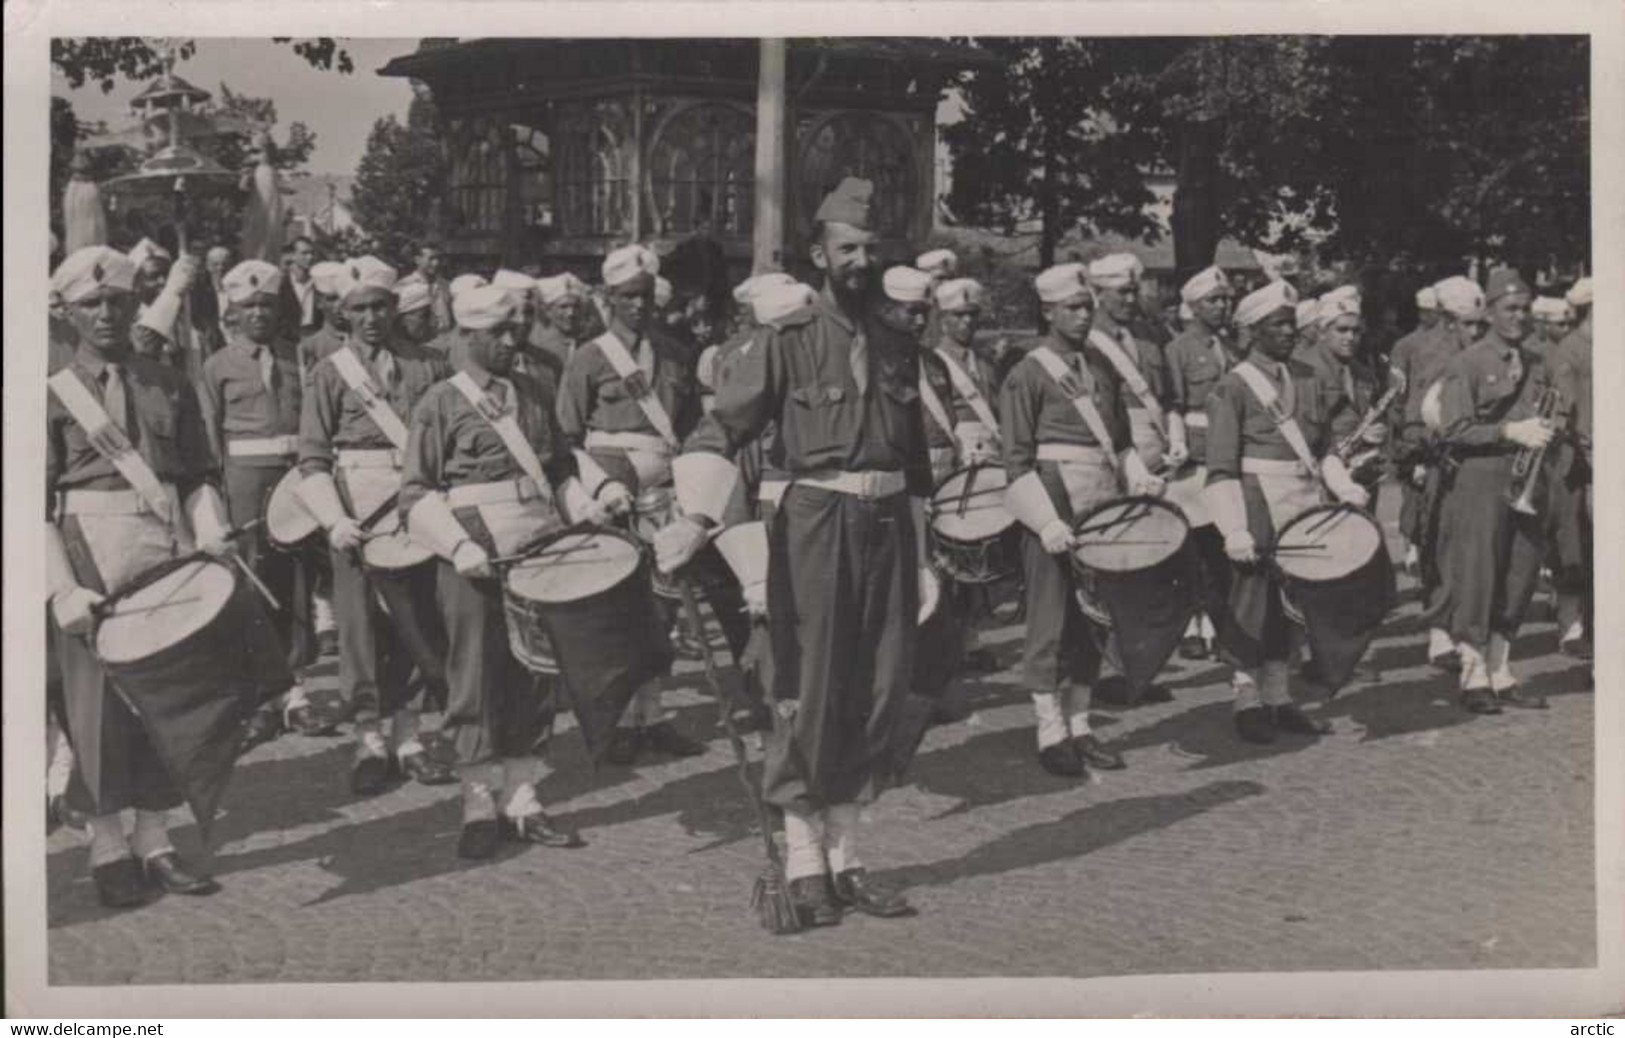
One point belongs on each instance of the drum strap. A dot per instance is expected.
(90, 415)
(965, 386)
(1281, 415)
(1079, 388)
(933, 403)
(502, 419)
(638, 386)
(383, 416)
(1129, 372)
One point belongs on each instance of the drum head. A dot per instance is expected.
(575, 566)
(389, 546)
(1129, 534)
(968, 505)
(164, 612)
(1327, 542)
(287, 520)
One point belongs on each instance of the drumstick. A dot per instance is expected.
(1334, 516)
(1128, 515)
(1279, 548)
(259, 585)
(970, 488)
(557, 553)
(149, 608)
(1123, 544)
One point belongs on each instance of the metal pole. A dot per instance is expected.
(767, 234)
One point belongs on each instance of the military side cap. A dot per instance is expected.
(849, 203)
(1503, 282)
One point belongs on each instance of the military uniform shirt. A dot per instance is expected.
(1239, 427)
(333, 419)
(593, 396)
(1034, 410)
(237, 404)
(1490, 383)
(980, 377)
(1196, 360)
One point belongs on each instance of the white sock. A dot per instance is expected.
(151, 836)
(371, 740)
(1499, 663)
(1576, 629)
(840, 837)
(1208, 633)
(1245, 685)
(1274, 683)
(1194, 628)
(60, 770)
(480, 785)
(297, 698)
(648, 706)
(403, 732)
(1439, 642)
(1052, 728)
(107, 841)
(1473, 672)
(803, 844)
(324, 614)
(519, 778)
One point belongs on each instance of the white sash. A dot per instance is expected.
(933, 403)
(1271, 401)
(506, 425)
(91, 416)
(619, 359)
(1059, 370)
(965, 386)
(1129, 372)
(383, 416)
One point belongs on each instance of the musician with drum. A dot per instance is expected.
(628, 398)
(1496, 411)
(352, 433)
(130, 487)
(1197, 358)
(1267, 423)
(250, 390)
(487, 476)
(1067, 447)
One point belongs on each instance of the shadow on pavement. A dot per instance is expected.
(1081, 832)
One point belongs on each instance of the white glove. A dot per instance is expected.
(1351, 493)
(930, 593)
(1377, 434)
(182, 274)
(217, 544)
(1419, 475)
(1137, 478)
(73, 609)
(595, 513)
(471, 561)
(1533, 433)
(345, 535)
(1240, 547)
(981, 453)
(677, 542)
(755, 595)
(616, 499)
(1147, 486)
(1176, 455)
(1056, 538)
(1337, 479)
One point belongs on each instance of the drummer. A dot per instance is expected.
(959, 303)
(628, 398)
(1197, 358)
(345, 441)
(560, 326)
(1066, 436)
(1156, 427)
(250, 391)
(466, 493)
(129, 485)
(1260, 476)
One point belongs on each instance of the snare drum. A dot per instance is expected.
(974, 538)
(389, 549)
(1337, 582)
(590, 573)
(652, 511)
(288, 523)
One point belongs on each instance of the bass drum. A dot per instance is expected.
(974, 538)
(1337, 583)
(1136, 574)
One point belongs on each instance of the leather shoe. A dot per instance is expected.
(1480, 701)
(981, 661)
(623, 746)
(1097, 756)
(1448, 662)
(815, 904)
(119, 884)
(1156, 694)
(166, 872)
(58, 810)
(327, 643)
(1255, 725)
(665, 738)
(425, 770)
(853, 889)
(369, 776)
(1192, 647)
(307, 722)
(1112, 691)
(1514, 697)
(539, 828)
(263, 726)
(1062, 760)
(1289, 717)
(479, 840)
(1580, 648)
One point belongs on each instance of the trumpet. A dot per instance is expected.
(1526, 466)
(1355, 440)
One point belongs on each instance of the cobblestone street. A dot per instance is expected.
(1415, 837)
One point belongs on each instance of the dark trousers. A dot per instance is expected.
(717, 584)
(495, 707)
(286, 574)
(1061, 646)
(1489, 555)
(378, 651)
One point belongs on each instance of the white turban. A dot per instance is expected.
(777, 303)
(147, 249)
(1460, 297)
(559, 287)
(1580, 294)
(627, 262)
(1427, 299)
(463, 282)
(91, 268)
(1060, 282)
(414, 295)
(1203, 285)
(1332, 306)
(663, 291)
(1116, 270)
(328, 277)
(483, 307)
(1550, 308)
(906, 285)
(746, 290)
(512, 281)
(367, 273)
(250, 278)
(938, 262)
(960, 294)
(1260, 304)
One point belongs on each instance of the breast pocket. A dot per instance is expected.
(812, 423)
(1200, 379)
(238, 394)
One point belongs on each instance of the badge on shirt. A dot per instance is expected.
(637, 386)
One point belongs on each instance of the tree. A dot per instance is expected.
(103, 60)
(400, 180)
(1055, 134)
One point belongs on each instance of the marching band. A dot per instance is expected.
(507, 488)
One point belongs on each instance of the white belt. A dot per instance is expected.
(870, 485)
(369, 459)
(1071, 452)
(1196, 420)
(500, 492)
(628, 441)
(262, 446)
(106, 502)
(772, 490)
(1274, 466)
